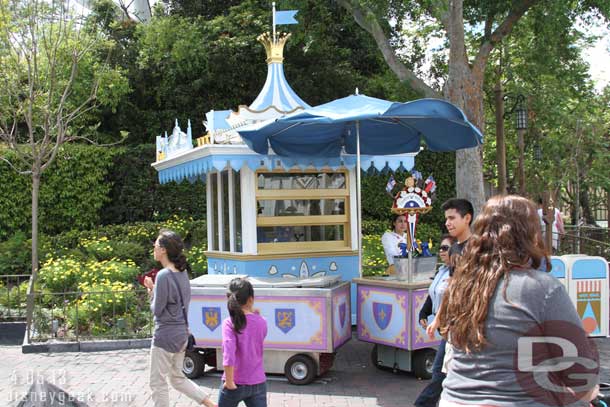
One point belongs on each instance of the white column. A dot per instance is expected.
(231, 191)
(210, 210)
(221, 239)
(248, 210)
(353, 206)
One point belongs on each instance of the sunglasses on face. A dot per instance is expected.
(444, 248)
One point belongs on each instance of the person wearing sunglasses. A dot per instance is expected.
(435, 293)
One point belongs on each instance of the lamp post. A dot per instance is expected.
(548, 209)
(521, 125)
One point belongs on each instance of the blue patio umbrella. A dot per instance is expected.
(384, 128)
(360, 124)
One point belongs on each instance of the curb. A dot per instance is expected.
(85, 346)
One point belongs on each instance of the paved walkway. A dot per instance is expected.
(120, 378)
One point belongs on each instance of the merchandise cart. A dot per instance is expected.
(308, 320)
(388, 316)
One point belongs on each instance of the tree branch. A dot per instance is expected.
(518, 9)
(366, 19)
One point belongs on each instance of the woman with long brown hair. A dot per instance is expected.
(500, 315)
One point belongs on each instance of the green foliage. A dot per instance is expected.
(198, 260)
(15, 255)
(136, 194)
(96, 311)
(72, 192)
(61, 275)
(13, 297)
(89, 185)
(69, 82)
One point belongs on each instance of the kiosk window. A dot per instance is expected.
(302, 211)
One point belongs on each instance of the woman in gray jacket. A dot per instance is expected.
(170, 292)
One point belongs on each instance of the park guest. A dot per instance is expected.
(170, 294)
(458, 216)
(496, 298)
(243, 334)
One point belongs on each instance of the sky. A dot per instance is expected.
(598, 57)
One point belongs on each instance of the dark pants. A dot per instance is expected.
(254, 395)
(430, 396)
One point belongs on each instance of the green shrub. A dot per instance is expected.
(198, 260)
(72, 191)
(136, 194)
(375, 227)
(108, 271)
(60, 275)
(373, 257)
(98, 308)
(15, 255)
(15, 296)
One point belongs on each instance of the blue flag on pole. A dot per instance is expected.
(285, 17)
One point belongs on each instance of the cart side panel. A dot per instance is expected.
(206, 313)
(294, 323)
(419, 337)
(341, 326)
(382, 315)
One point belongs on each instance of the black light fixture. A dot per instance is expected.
(519, 109)
(521, 114)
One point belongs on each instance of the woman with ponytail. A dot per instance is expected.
(242, 349)
(170, 296)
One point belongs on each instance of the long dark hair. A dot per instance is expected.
(506, 236)
(240, 291)
(173, 245)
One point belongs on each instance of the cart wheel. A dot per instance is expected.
(423, 360)
(193, 365)
(375, 357)
(300, 369)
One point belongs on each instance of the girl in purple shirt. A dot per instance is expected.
(242, 350)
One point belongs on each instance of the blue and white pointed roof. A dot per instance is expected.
(274, 100)
(276, 93)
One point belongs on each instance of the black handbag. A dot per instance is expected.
(190, 342)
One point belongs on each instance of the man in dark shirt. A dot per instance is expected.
(458, 216)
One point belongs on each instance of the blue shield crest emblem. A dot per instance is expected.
(382, 313)
(342, 308)
(211, 317)
(285, 319)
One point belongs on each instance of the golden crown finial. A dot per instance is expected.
(274, 49)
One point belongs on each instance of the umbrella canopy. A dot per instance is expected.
(385, 128)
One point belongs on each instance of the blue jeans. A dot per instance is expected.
(254, 395)
(430, 395)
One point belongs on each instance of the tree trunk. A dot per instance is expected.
(466, 91)
(30, 299)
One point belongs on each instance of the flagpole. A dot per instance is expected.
(358, 198)
(273, 12)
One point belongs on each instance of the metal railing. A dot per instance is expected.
(13, 297)
(585, 240)
(77, 316)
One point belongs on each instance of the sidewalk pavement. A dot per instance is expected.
(120, 378)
